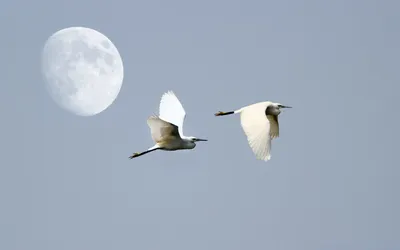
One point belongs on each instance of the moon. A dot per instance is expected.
(83, 70)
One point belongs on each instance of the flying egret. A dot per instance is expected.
(260, 124)
(166, 129)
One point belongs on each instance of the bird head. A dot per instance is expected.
(190, 141)
(275, 108)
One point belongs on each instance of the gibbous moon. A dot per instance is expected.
(83, 70)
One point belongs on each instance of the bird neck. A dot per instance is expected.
(188, 143)
(271, 110)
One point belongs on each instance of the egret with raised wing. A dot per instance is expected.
(166, 129)
(260, 124)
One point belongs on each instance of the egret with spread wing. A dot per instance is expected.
(166, 129)
(260, 124)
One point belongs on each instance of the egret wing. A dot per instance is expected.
(274, 126)
(172, 111)
(162, 131)
(257, 128)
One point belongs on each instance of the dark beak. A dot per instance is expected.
(198, 139)
(286, 107)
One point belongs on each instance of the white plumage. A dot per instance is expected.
(167, 128)
(260, 125)
(171, 110)
(161, 130)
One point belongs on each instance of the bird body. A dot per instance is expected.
(167, 128)
(260, 124)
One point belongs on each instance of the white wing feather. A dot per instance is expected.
(171, 110)
(161, 130)
(257, 127)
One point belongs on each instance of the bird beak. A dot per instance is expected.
(286, 107)
(197, 139)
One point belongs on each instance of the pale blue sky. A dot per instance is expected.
(333, 181)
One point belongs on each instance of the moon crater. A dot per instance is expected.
(83, 70)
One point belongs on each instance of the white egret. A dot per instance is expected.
(166, 129)
(260, 124)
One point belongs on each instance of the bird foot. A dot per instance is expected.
(134, 155)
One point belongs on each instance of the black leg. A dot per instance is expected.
(142, 153)
(220, 113)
